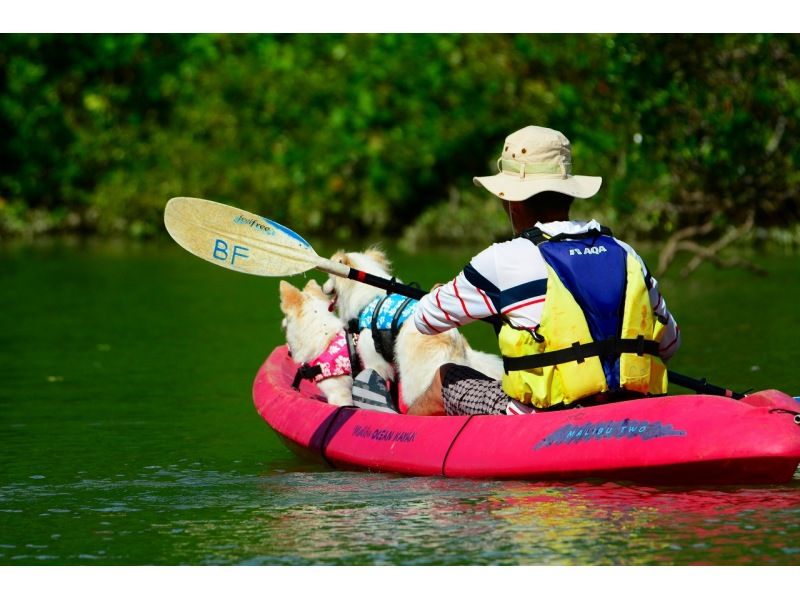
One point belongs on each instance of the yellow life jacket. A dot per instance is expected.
(561, 361)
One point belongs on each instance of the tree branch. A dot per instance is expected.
(680, 241)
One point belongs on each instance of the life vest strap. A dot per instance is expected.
(305, 372)
(355, 362)
(578, 352)
(352, 326)
(382, 339)
(396, 320)
(537, 236)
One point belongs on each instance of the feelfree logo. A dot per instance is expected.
(253, 223)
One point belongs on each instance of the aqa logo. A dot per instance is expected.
(588, 251)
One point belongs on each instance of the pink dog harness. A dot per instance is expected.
(335, 360)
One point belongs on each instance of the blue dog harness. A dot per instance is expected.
(383, 316)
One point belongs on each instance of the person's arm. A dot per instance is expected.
(468, 297)
(671, 341)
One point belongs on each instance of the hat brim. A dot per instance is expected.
(513, 188)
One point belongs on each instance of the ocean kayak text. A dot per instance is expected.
(383, 434)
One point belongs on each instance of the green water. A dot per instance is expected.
(128, 433)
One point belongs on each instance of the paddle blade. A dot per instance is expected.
(236, 239)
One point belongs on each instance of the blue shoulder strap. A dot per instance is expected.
(592, 266)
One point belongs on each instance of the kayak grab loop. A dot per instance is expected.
(790, 412)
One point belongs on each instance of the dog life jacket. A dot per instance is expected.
(598, 331)
(384, 315)
(338, 359)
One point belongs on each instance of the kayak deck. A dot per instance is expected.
(681, 439)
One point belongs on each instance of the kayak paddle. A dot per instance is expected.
(245, 242)
(248, 243)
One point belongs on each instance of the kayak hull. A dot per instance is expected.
(682, 439)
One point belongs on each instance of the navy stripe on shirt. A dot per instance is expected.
(526, 290)
(502, 299)
(479, 281)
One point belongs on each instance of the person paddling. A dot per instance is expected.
(579, 317)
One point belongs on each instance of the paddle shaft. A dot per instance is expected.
(702, 387)
(390, 285)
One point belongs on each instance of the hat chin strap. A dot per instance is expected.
(511, 221)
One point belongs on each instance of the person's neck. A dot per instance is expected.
(523, 222)
(551, 216)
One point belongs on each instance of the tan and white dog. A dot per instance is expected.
(310, 329)
(417, 356)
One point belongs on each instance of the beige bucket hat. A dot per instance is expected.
(536, 159)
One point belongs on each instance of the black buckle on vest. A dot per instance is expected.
(352, 326)
(576, 347)
(640, 345)
(305, 372)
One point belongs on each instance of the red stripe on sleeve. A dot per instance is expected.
(516, 307)
(428, 324)
(486, 301)
(463, 305)
(439, 303)
(665, 349)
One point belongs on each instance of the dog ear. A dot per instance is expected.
(341, 257)
(313, 289)
(379, 256)
(291, 297)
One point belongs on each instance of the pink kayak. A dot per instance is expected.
(681, 439)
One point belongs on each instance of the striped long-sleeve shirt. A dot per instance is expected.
(510, 279)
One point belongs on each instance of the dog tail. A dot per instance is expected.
(486, 363)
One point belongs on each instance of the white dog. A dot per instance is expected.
(417, 357)
(316, 340)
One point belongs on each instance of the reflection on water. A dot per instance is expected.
(184, 514)
(128, 434)
(617, 524)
